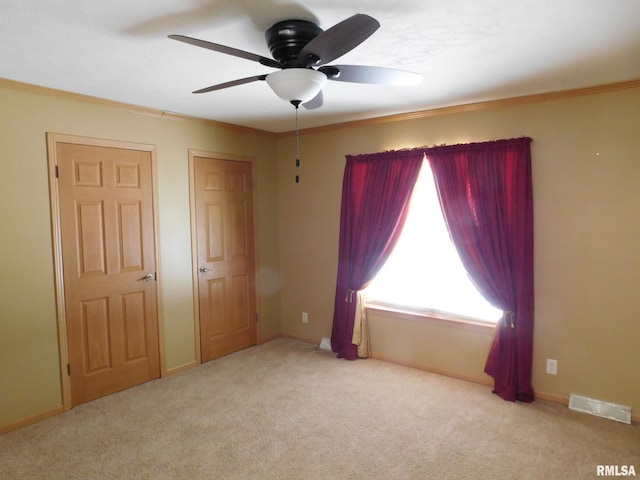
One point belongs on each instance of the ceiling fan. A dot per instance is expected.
(301, 51)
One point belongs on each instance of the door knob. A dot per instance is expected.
(148, 277)
(204, 269)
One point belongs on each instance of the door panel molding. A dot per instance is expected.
(214, 246)
(91, 174)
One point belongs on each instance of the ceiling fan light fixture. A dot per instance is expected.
(296, 84)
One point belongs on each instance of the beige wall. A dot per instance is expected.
(586, 168)
(29, 361)
(587, 265)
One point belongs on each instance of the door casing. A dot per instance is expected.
(54, 196)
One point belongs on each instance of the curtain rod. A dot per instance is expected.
(425, 148)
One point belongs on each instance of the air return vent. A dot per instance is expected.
(612, 411)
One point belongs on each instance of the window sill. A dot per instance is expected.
(430, 315)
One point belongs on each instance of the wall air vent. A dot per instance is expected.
(612, 411)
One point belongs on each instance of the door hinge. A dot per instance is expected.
(57, 172)
(69, 369)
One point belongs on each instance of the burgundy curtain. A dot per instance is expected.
(485, 190)
(375, 195)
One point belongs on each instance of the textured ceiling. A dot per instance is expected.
(468, 51)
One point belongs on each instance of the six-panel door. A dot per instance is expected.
(109, 268)
(226, 259)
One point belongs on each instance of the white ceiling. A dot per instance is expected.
(468, 51)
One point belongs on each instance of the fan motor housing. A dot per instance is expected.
(287, 38)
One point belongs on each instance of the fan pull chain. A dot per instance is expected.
(297, 148)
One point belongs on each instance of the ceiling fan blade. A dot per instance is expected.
(233, 83)
(315, 102)
(338, 40)
(268, 62)
(374, 75)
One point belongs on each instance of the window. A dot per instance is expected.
(424, 273)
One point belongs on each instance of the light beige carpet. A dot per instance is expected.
(283, 410)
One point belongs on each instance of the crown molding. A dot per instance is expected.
(472, 107)
(52, 92)
(401, 117)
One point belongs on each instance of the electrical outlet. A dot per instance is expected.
(305, 317)
(552, 366)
